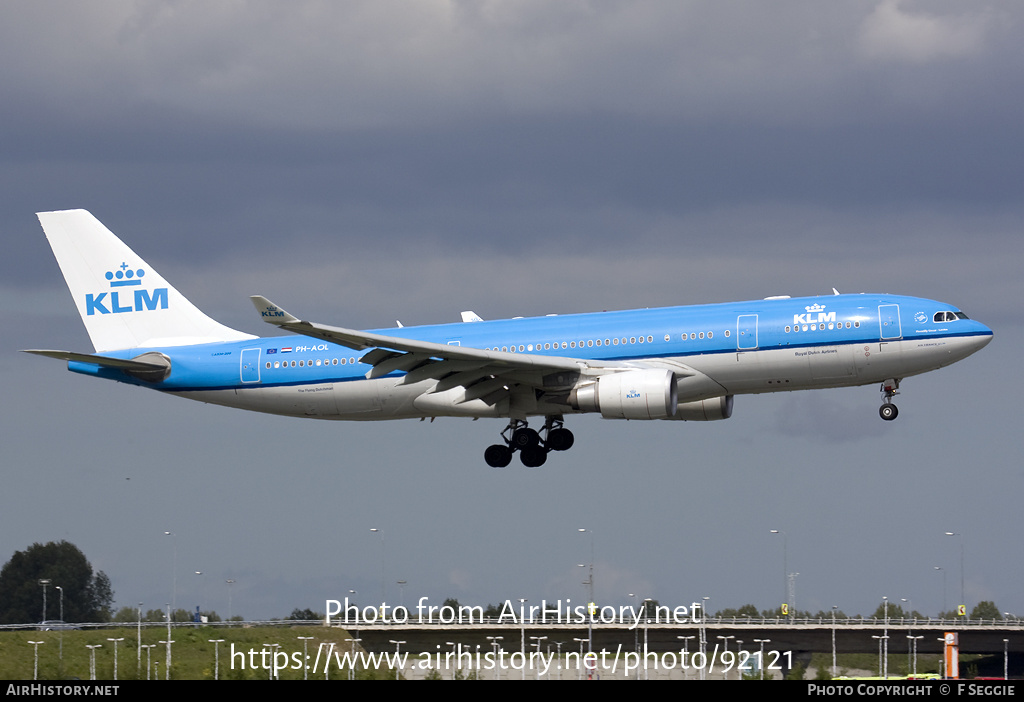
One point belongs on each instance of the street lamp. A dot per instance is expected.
(761, 657)
(305, 640)
(1006, 659)
(35, 665)
(149, 664)
(834, 608)
(880, 639)
(963, 597)
(398, 648)
(590, 584)
(44, 582)
(686, 653)
(115, 654)
(379, 533)
(725, 676)
(216, 657)
(785, 566)
(494, 645)
(138, 646)
(913, 645)
(174, 571)
(229, 583)
(61, 638)
(92, 659)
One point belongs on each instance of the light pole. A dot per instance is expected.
(229, 583)
(880, 638)
(785, 565)
(167, 665)
(149, 664)
(579, 670)
(590, 584)
(522, 632)
(115, 654)
(352, 659)
(270, 669)
(1006, 659)
(452, 644)
(379, 533)
(963, 597)
(35, 665)
(61, 638)
(216, 657)
(174, 572)
(398, 651)
(704, 633)
(885, 674)
(305, 642)
(44, 582)
(494, 645)
(760, 663)
(834, 608)
(686, 654)
(92, 659)
(539, 640)
(913, 645)
(138, 646)
(725, 676)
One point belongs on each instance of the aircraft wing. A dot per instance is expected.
(485, 375)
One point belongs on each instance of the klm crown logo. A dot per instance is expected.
(138, 300)
(816, 314)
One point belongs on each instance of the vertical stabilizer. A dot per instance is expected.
(124, 303)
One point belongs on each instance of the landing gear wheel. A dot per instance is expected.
(524, 438)
(888, 412)
(498, 456)
(560, 440)
(533, 456)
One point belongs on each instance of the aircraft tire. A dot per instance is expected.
(533, 456)
(560, 440)
(525, 437)
(498, 456)
(888, 412)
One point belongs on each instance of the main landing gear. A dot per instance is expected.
(888, 411)
(533, 450)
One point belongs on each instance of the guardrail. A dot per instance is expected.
(825, 622)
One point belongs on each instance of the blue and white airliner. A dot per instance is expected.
(672, 363)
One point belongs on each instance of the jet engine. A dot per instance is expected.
(635, 394)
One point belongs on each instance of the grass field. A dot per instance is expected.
(192, 653)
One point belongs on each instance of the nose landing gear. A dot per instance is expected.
(533, 448)
(888, 411)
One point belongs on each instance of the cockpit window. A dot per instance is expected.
(948, 316)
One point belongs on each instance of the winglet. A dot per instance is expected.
(271, 313)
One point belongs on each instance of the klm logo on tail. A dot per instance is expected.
(121, 301)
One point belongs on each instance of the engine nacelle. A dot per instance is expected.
(705, 410)
(636, 394)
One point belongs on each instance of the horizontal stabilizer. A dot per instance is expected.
(155, 368)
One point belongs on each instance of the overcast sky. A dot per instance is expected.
(367, 162)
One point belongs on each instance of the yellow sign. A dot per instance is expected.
(961, 610)
(785, 609)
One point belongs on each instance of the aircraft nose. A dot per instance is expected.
(983, 338)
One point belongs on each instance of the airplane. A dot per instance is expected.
(674, 363)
